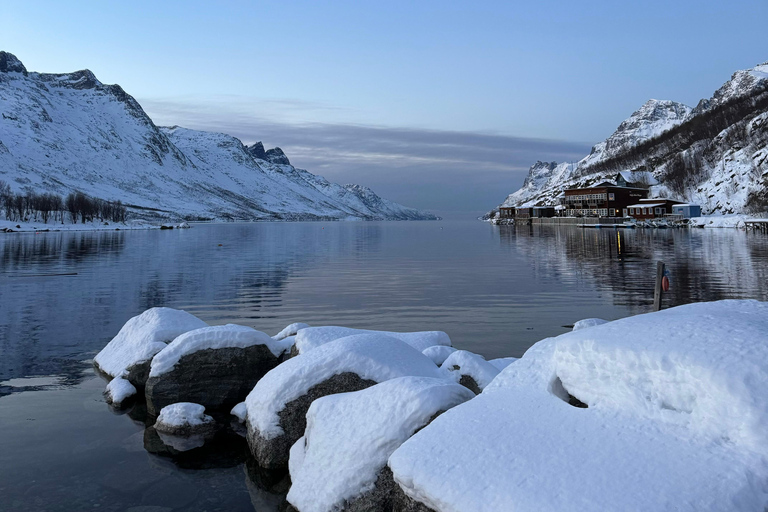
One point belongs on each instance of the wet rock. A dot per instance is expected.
(273, 452)
(216, 378)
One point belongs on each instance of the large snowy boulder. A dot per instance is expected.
(470, 370)
(129, 353)
(277, 406)
(675, 420)
(313, 337)
(341, 462)
(213, 366)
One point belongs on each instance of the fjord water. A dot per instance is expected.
(494, 289)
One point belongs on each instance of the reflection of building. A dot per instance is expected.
(652, 208)
(603, 200)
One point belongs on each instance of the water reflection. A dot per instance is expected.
(705, 265)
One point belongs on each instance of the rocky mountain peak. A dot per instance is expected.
(257, 151)
(276, 156)
(742, 82)
(9, 63)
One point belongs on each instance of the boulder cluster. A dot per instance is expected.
(329, 419)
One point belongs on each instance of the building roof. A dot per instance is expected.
(686, 204)
(645, 205)
(605, 184)
(660, 199)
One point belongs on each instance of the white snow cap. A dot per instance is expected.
(472, 365)
(371, 356)
(438, 353)
(240, 412)
(503, 362)
(210, 337)
(182, 414)
(290, 330)
(677, 406)
(350, 436)
(143, 336)
(118, 390)
(588, 322)
(313, 337)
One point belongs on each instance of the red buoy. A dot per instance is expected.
(665, 283)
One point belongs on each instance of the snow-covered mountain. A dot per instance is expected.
(715, 154)
(66, 132)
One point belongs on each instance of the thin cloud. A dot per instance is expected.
(433, 169)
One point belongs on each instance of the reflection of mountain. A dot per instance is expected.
(705, 265)
(64, 295)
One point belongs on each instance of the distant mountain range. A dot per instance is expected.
(715, 154)
(65, 132)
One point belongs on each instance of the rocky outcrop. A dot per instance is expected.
(216, 378)
(276, 156)
(272, 452)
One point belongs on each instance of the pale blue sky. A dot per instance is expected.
(327, 81)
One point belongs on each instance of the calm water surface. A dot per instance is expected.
(494, 289)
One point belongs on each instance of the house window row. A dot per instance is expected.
(646, 211)
(586, 197)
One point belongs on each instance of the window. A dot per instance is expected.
(659, 211)
(611, 197)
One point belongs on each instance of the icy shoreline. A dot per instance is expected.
(7, 226)
(363, 420)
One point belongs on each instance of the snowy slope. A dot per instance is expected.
(65, 132)
(714, 154)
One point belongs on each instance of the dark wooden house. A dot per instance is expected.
(602, 200)
(652, 208)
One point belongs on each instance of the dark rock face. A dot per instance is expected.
(273, 453)
(403, 503)
(10, 64)
(276, 156)
(470, 383)
(257, 151)
(214, 378)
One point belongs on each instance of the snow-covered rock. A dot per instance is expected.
(240, 411)
(675, 421)
(180, 427)
(184, 419)
(470, 370)
(588, 322)
(339, 463)
(129, 353)
(290, 330)
(67, 132)
(313, 337)
(438, 353)
(502, 362)
(118, 391)
(214, 366)
(278, 403)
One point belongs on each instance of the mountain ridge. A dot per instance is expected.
(714, 154)
(68, 131)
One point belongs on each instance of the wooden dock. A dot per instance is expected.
(757, 225)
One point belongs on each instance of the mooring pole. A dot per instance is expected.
(657, 291)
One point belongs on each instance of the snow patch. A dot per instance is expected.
(371, 356)
(182, 414)
(473, 365)
(438, 353)
(313, 337)
(588, 322)
(119, 390)
(290, 330)
(350, 436)
(210, 337)
(681, 413)
(142, 337)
